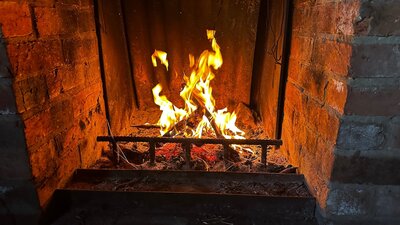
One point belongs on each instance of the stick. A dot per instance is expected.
(146, 126)
(183, 122)
(207, 113)
(228, 151)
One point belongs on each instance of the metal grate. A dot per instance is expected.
(188, 142)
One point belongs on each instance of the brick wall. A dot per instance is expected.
(365, 182)
(54, 65)
(15, 173)
(317, 87)
(341, 119)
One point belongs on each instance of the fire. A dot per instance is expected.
(197, 94)
(162, 56)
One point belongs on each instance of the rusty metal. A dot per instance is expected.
(264, 149)
(188, 142)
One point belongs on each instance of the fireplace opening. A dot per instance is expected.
(194, 70)
(313, 84)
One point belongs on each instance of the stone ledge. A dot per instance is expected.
(375, 60)
(361, 204)
(371, 167)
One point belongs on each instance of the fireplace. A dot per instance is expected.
(322, 76)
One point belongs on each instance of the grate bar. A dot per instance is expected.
(187, 144)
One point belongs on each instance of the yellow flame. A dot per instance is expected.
(170, 114)
(197, 88)
(162, 56)
(191, 60)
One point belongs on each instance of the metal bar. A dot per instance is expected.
(99, 21)
(196, 141)
(226, 152)
(264, 149)
(127, 52)
(115, 152)
(285, 66)
(187, 147)
(152, 152)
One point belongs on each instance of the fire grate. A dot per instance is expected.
(188, 142)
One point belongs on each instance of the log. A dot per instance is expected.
(197, 99)
(146, 126)
(229, 152)
(185, 122)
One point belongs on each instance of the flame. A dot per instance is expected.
(162, 56)
(196, 93)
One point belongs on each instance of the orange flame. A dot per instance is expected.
(162, 56)
(197, 88)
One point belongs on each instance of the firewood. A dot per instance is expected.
(230, 153)
(197, 99)
(181, 125)
(146, 126)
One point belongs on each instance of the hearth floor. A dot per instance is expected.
(181, 197)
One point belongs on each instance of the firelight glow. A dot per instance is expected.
(197, 93)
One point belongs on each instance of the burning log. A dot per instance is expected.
(199, 102)
(147, 126)
(229, 152)
(191, 121)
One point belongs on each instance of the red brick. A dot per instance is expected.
(91, 72)
(301, 3)
(312, 79)
(65, 78)
(62, 116)
(293, 68)
(86, 22)
(86, 3)
(332, 55)
(336, 94)
(30, 92)
(38, 128)
(293, 96)
(290, 148)
(311, 141)
(44, 162)
(48, 21)
(301, 22)
(42, 56)
(324, 16)
(69, 2)
(321, 120)
(301, 48)
(326, 157)
(55, 21)
(15, 19)
(87, 99)
(70, 151)
(42, 2)
(79, 50)
(327, 17)
(347, 13)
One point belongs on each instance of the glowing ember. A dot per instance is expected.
(197, 94)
